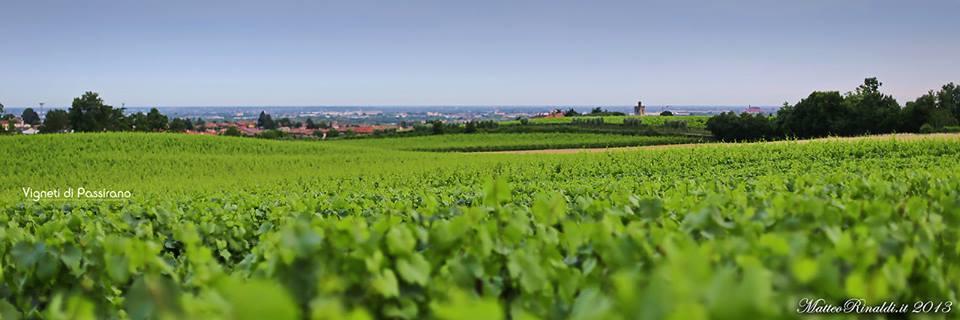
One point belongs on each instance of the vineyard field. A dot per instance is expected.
(239, 228)
(515, 141)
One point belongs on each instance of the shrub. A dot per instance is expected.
(233, 132)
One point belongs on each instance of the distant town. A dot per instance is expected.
(347, 120)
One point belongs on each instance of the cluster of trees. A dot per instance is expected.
(313, 125)
(865, 110)
(334, 133)
(473, 125)
(435, 127)
(595, 112)
(57, 118)
(266, 122)
(88, 113)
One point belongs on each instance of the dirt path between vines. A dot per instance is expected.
(899, 136)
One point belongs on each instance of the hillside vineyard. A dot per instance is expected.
(220, 227)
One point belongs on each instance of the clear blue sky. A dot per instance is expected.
(211, 53)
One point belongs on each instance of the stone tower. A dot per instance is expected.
(640, 110)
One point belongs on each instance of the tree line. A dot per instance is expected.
(88, 113)
(866, 110)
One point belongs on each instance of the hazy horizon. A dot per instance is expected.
(493, 53)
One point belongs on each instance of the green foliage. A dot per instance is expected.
(728, 126)
(29, 116)
(600, 112)
(56, 120)
(272, 134)
(138, 122)
(178, 125)
(254, 229)
(232, 131)
(863, 111)
(88, 113)
(871, 112)
(948, 97)
(515, 141)
(696, 122)
(584, 121)
(818, 115)
(633, 122)
(333, 133)
(470, 127)
(438, 127)
(286, 122)
(940, 117)
(156, 121)
(265, 121)
(679, 125)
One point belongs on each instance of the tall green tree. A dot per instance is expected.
(285, 122)
(156, 121)
(265, 121)
(949, 99)
(88, 113)
(470, 127)
(333, 133)
(936, 109)
(870, 111)
(822, 113)
(232, 131)
(56, 120)
(30, 117)
(178, 125)
(138, 122)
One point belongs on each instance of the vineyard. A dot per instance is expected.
(235, 228)
(521, 141)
